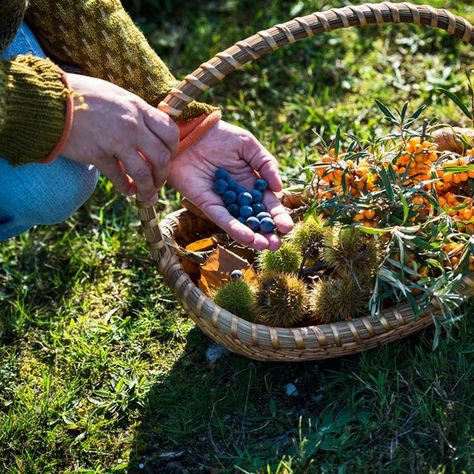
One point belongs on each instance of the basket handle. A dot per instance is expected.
(266, 41)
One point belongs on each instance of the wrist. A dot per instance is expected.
(191, 131)
(68, 120)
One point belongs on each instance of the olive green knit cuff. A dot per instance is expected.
(33, 102)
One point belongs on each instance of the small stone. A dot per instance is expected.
(291, 390)
(215, 352)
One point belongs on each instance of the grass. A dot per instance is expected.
(102, 372)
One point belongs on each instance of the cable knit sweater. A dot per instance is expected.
(96, 35)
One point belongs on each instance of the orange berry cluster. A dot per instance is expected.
(418, 161)
(454, 252)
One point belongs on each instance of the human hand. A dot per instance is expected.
(128, 140)
(237, 150)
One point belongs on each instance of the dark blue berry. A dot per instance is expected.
(258, 208)
(241, 189)
(257, 196)
(234, 209)
(244, 199)
(267, 225)
(229, 197)
(253, 223)
(260, 184)
(246, 211)
(236, 275)
(222, 173)
(232, 183)
(220, 186)
(263, 215)
(241, 219)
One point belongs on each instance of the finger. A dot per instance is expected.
(163, 127)
(132, 186)
(260, 159)
(283, 220)
(111, 168)
(140, 171)
(274, 241)
(157, 154)
(260, 242)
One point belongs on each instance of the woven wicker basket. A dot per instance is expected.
(241, 336)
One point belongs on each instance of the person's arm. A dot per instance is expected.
(100, 38)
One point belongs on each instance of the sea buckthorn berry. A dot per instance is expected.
(222, 173)
(229, 197)
(234, 209)
(369, 213)
(220, 186)
(246, 211)
(252, 223)
(267, 225)
(257, 196)
(244, 199)
(232, 183)
(260, 184)
(258, 208)
(263, 215)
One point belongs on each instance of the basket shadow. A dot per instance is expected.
(212, 417)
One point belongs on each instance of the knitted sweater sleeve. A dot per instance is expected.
(33, 102)
(100, 38)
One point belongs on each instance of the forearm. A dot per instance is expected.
(100, 37)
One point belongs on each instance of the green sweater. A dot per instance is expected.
(97, 36)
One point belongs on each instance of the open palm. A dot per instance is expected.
(227, 146)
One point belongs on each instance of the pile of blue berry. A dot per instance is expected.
(243, 204)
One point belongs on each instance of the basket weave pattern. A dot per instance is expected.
(239, 335)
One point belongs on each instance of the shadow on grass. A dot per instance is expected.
(237, 413)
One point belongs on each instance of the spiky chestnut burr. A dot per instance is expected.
(281, 300)
(307, 236)
(337, 299)
(349, 250)
(238, 297)
(286, 259)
